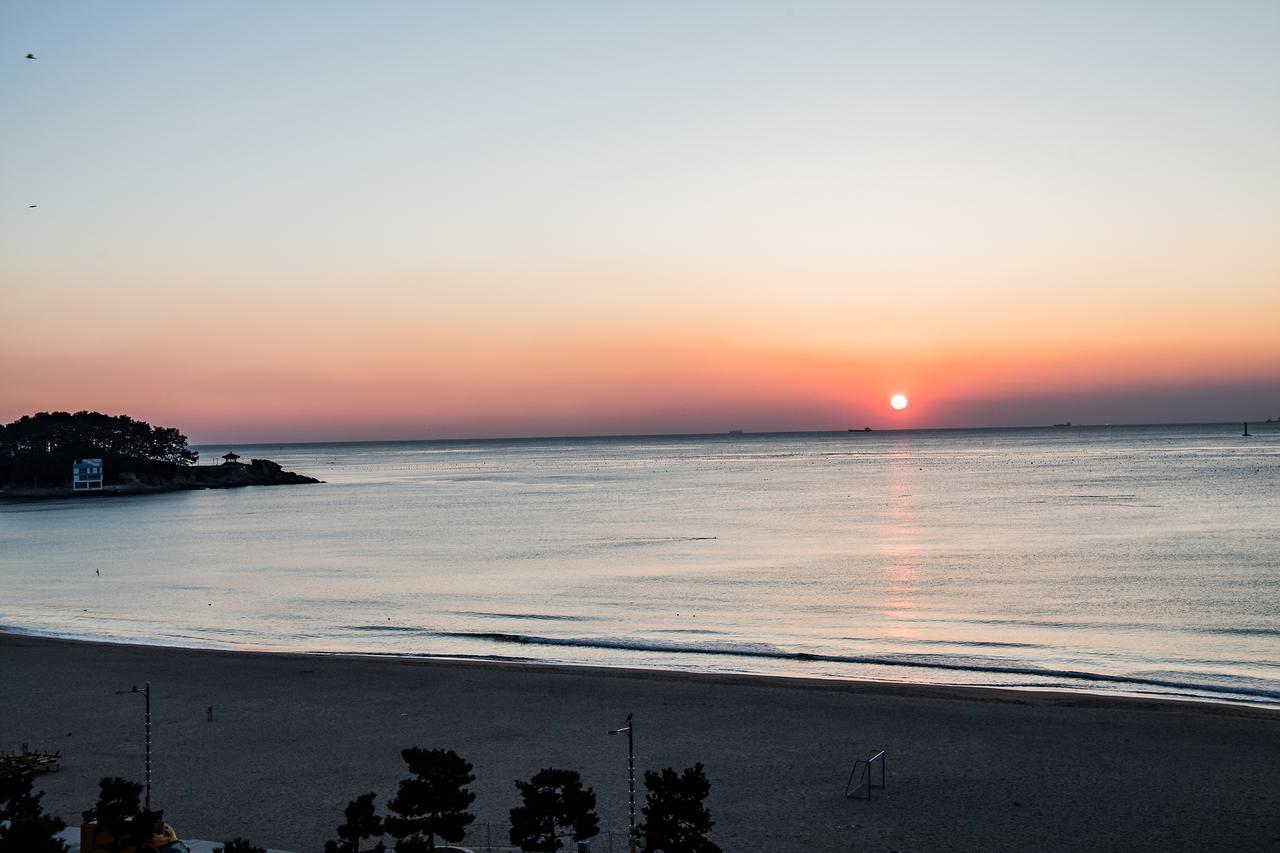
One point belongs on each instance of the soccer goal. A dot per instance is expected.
(862, 777)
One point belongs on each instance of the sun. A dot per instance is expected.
(898, 401)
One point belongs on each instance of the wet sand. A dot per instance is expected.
(294, 737)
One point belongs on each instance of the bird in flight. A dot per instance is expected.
(31, 56)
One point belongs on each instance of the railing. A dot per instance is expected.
(861, 777)
(496, 838)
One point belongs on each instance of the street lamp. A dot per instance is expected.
(146, 694)
(629, 728)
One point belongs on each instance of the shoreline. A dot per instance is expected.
(182, 478)
(272, 746)
(66, 493)
(1034, 696)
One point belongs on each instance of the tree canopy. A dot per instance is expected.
(555, 806)
(119, 815)
(433, 801)
(239, 845)
(362, 822)
(39, 449)
(24, 825)
(676, 818)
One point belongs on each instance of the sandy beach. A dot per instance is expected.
(294, 737)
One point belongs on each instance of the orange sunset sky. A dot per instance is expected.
(314, 221)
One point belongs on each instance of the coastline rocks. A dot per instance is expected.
(229, 475)
(259, 472)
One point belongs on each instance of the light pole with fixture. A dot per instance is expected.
(146, 695)
(629, 728)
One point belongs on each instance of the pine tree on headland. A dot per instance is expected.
(676, 817)
(24, 825)
(119, 815)
(362, 822)
(555, 806)
(239, 845)
(433, 801)
(39, 449)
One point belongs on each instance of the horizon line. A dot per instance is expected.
(728, 433)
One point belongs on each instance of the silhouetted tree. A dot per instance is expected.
(239, 845)
(555, 806)
(24, 826)
(39, 449)
(362, 822)
(433, 801)
(119, 815)
(676, 817)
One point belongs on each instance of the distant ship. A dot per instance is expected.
(735, 432)
(1060, 426)
(864, 429)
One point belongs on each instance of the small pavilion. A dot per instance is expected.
(230, 458)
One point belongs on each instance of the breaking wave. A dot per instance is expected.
(1234, 686)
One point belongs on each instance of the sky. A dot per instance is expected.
(328, 221)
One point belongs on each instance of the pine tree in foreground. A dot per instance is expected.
(432, 802)
(24, 826)
(239, 845)
(119, 815)
(555, 806)
(362, 822)
(676, 817)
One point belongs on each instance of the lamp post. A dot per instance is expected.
(629, 728)
(146, 695)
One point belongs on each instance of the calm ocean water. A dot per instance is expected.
(1134, 559)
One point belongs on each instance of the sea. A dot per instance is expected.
(1118, 560)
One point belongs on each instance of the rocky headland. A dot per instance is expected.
(227, 475)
